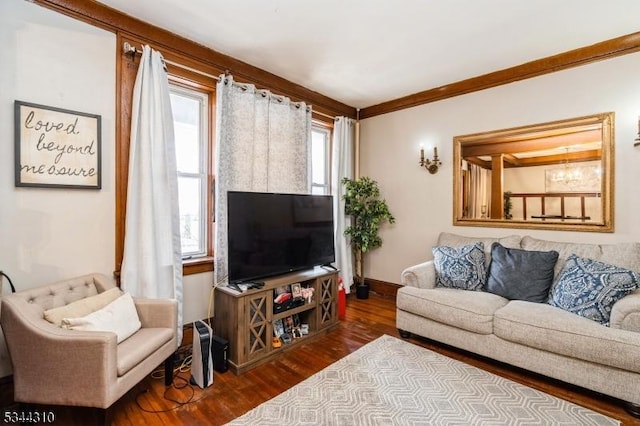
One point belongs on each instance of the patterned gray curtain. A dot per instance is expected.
(262, 145)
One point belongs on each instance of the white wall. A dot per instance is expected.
(53, 234)
(422, 203)
(50, 234)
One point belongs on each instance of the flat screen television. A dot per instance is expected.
(272, 233)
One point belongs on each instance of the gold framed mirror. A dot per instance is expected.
(556, 175)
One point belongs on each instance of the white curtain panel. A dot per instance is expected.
(342, 165)
(152, 263)
(480, 192)
(262, 145)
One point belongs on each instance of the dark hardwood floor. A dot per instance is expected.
(150, 403)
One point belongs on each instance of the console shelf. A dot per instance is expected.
(293, 311)
(246, 319)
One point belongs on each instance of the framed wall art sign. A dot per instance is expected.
(56, 147)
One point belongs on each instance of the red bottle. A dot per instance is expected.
(342, 300)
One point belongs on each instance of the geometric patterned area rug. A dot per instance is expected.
(393, 382)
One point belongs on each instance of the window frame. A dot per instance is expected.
(323, 127)
(191, 75)
(202, 97)
(192, 70)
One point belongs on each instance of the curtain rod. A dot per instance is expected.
(129, 49)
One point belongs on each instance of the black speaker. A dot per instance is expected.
(219, 350)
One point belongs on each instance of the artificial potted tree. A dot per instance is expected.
(368, 212)
(508, 205)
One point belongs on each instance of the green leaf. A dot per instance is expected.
(368, 212)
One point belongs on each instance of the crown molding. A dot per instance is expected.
(573, 58)
(112, 20)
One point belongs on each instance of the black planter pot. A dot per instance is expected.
(362, 291)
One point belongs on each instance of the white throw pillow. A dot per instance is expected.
(119, 317)
(82, 307)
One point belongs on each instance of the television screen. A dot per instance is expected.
(272, 234)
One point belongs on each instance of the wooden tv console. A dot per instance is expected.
(247, 319)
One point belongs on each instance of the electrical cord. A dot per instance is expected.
(184, 367)
(212, 293)
(13, 289)
(211, 306)
(179, 404)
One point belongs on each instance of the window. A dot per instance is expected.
(320, 160)
(192, 93)
(190, 123)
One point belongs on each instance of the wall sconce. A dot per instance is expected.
(637, 141)
(431, 165)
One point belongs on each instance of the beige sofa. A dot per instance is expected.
(533, 336)
(53, 365)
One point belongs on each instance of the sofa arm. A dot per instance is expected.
(162, 313)
(422, 275)
(625, 313)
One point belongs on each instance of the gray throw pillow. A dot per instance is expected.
(517, 274)
(460, 267)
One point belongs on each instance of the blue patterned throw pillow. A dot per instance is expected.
(590, 288)
(462, 267)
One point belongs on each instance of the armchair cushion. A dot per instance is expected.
(82, 307)
(138, 347)
(119, 317)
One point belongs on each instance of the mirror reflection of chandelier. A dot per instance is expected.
(569, 174)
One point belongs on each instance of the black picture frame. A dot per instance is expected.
(56, 147)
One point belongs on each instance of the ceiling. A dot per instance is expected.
(365, 52)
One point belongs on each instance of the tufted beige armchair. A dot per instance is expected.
(52, 365)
